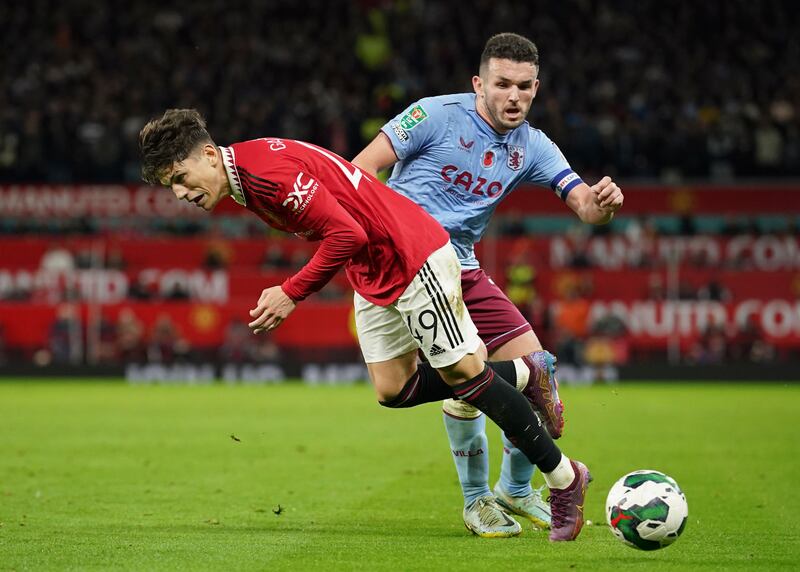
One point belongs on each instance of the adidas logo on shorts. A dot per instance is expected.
(436, 350)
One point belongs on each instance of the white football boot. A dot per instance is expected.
(485, 518)
(533, 507)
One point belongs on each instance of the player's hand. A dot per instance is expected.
(607, 195)
(274, 306)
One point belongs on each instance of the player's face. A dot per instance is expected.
(505, 91)
(199, 179)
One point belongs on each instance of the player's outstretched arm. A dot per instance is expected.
(376, 156)
(598, 203)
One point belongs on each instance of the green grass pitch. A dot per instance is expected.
(98, 476)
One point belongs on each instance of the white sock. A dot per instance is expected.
(523, 373)
(562, 476)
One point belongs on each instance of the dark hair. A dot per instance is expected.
(170, 138)
(508, 46)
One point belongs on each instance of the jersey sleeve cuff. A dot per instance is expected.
(292, 292)
(398, 136)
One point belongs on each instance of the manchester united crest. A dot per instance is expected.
(516, 157)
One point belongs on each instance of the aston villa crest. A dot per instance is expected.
(516, 157)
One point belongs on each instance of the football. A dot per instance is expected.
(646, 510)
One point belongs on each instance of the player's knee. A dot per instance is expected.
(390, 377)
(460, 409)
(466, 368)
(386, 398)
(386, 389)
(398, 394)
(391, 401)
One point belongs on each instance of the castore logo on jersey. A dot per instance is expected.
(466, 145)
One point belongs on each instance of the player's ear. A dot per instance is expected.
(210, 152)
(535, 86)
(477, 85)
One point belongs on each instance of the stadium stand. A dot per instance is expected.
(716, 100)
(701, 129)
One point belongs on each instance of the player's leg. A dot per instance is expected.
(390, 352)
(511, 412)
(464, 424)
(513, 490)
(516, 347)
(508, 334)
(500, 401)
(438, 320)
(391, 357)
(466, 432)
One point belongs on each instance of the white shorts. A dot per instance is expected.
(430, 314)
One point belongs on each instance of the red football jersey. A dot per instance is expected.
(379, 236)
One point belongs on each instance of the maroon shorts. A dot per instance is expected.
(495, 316)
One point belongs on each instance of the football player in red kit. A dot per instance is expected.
(398, 259)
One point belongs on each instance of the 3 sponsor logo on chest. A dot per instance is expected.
(302, 193)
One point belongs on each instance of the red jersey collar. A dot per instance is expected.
(229, 162)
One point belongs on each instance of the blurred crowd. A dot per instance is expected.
(75, 340)
(565, 323)
(665, 90)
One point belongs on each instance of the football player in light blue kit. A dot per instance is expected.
(458, 156)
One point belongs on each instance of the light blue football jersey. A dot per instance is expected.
(454, 165)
